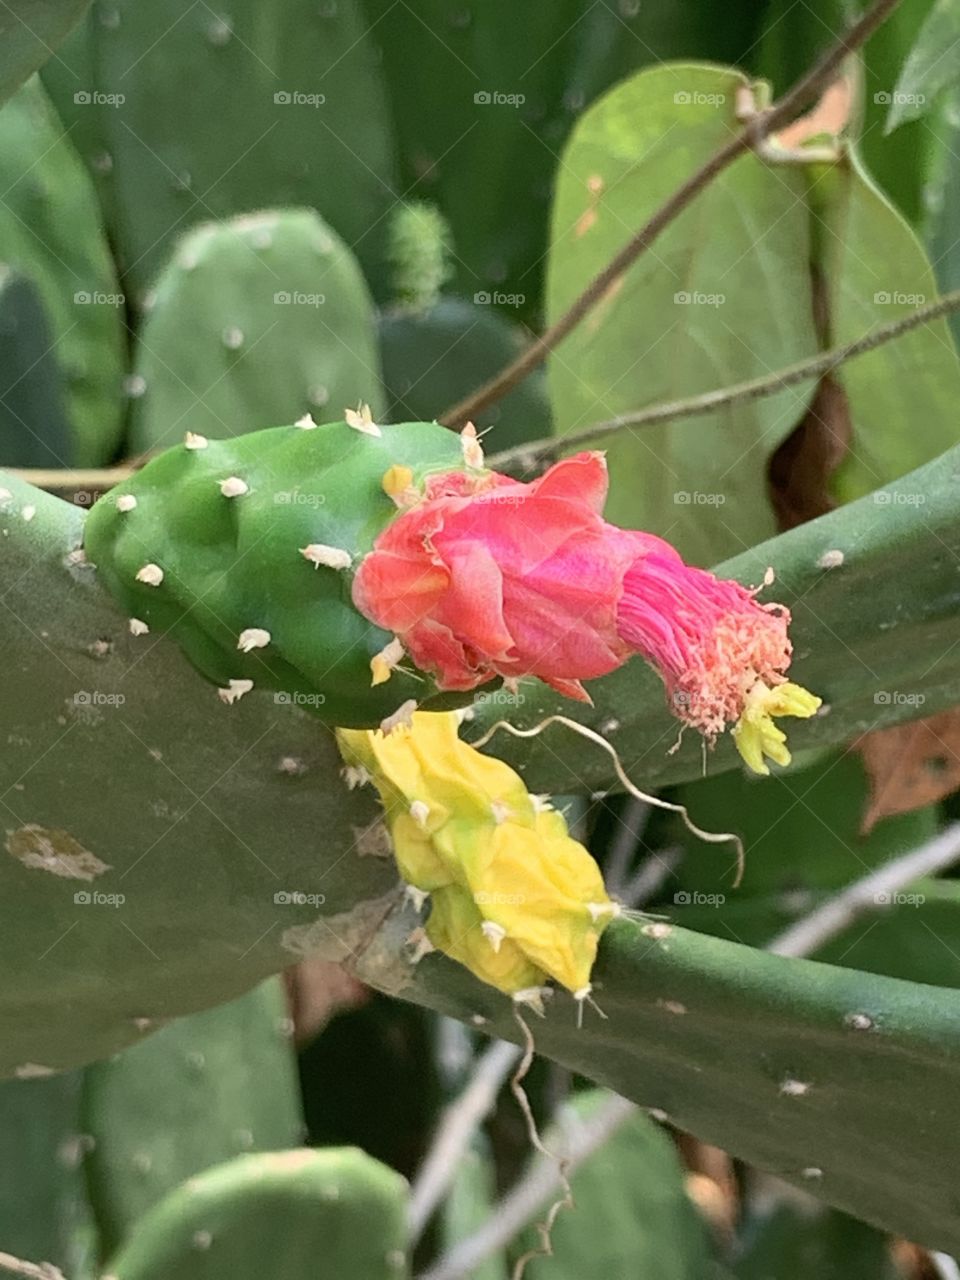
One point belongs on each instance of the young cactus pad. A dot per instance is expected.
(243, 551)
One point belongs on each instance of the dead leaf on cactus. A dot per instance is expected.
(910, 765)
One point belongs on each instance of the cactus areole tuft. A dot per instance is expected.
(389, 566)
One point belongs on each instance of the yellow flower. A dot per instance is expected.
(455, 927)
(755, 733)
(514, 897)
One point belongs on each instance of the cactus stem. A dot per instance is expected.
(150, 574)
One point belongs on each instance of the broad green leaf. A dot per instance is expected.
(933, 64)
(724, 295)
(903, 397)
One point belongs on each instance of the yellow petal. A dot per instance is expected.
(756, 736)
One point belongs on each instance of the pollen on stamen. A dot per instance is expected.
(501, 812)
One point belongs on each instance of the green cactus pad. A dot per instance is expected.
(253, 321)
(34, 431)
(188, 1097)
(231, 564)
(51, 232)
(30, 30)
(287, 1215)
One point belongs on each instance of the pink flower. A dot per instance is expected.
(485, 576)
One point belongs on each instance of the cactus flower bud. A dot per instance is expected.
(513, 896)
(487, 576)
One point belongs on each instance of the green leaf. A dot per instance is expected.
(723, 296)
(902, 397)
(933, 64)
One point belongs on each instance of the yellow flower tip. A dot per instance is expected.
(756, 736)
